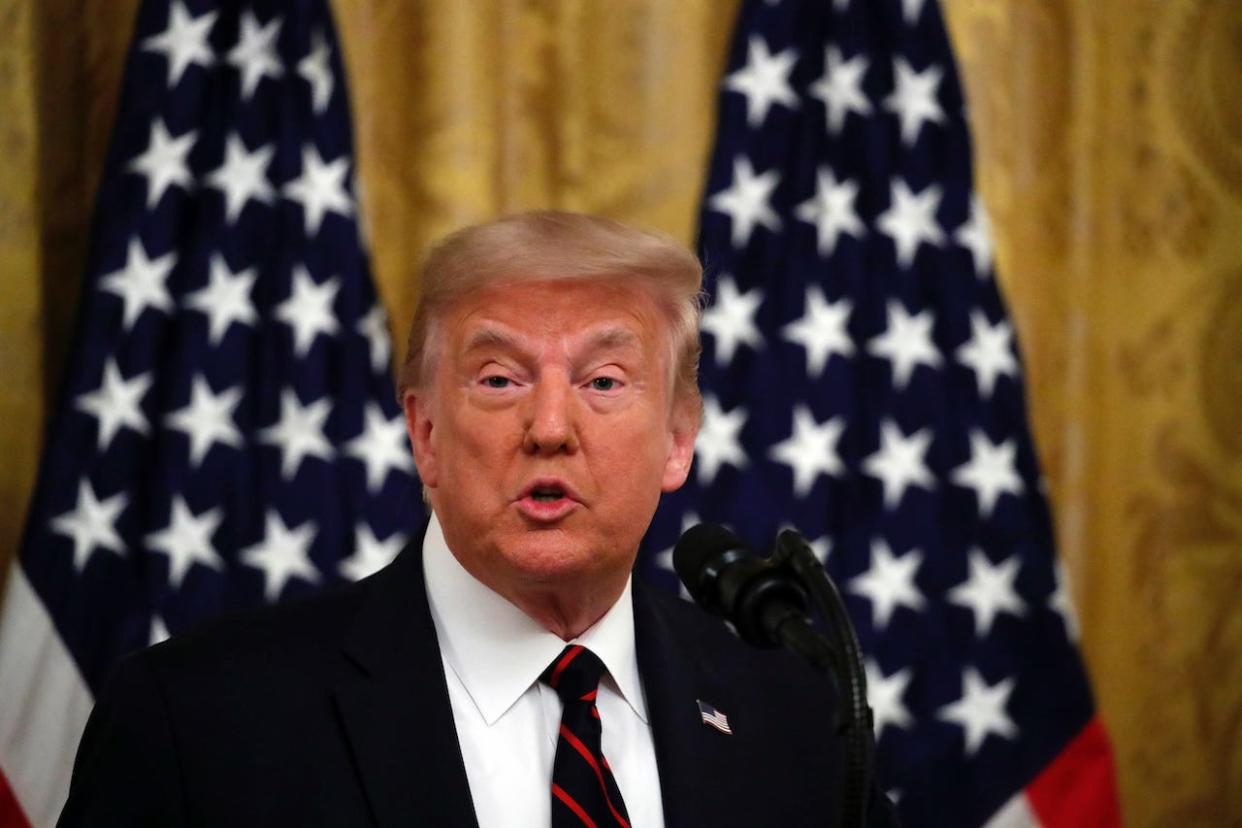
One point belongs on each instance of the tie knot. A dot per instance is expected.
(574, 674)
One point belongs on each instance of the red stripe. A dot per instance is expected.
(11, 814)
(1078, 788)
(577, 745)
(589, 696)
(560, 794)
(569, 656)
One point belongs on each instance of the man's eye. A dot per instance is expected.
(603, 384)
(495, 381)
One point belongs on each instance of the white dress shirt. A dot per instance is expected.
(507, 720)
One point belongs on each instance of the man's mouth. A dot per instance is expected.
(547, 494)
(547, 501)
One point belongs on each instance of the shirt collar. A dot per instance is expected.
(498, 651)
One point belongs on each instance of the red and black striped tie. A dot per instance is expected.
(583, 790)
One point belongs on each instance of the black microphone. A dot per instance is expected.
(764, 600)
(767, 602)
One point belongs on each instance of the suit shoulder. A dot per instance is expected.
(274, 640)
(728, 654)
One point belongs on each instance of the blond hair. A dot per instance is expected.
(550, 244)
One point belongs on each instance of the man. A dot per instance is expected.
(506, 670)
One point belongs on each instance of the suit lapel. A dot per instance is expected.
(692, 756)
(396, 711)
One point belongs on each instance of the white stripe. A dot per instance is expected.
(1016, 813)
(44, 704)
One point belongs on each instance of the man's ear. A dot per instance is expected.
(419, 426)
(685, 428)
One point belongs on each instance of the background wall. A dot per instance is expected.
(1109, 144)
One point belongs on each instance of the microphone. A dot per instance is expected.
(766, 600)
(763, 599)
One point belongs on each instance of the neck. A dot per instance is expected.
(563, 616)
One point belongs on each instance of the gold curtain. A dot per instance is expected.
(1109, 144)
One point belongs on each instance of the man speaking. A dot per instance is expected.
(506, 670)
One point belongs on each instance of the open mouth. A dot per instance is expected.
(547, 494)
(548, 500)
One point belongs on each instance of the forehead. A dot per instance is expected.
(598, 312)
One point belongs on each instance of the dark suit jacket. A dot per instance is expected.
(334, 711)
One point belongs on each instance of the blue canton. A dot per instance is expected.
(227, 434)
(862, 383)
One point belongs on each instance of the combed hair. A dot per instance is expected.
(549, 245)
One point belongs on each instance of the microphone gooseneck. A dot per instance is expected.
(766, 600)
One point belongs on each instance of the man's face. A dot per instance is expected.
(547, 432)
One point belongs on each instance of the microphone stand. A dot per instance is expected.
(843, 660)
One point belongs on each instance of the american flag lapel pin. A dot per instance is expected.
(714, 718)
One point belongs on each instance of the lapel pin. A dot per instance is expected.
(714, 718)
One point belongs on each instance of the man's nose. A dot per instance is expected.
(551, 426)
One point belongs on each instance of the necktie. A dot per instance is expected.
(583, 789)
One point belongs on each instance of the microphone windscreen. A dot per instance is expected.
(697, 548)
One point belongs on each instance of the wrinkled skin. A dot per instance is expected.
(544, 434)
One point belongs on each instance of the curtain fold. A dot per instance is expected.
(1109, 144)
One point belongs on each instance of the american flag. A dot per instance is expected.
(227, 434)
(714, 718)
(862, 383)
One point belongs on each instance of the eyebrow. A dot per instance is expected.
(492, 336)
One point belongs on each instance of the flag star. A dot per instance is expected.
(840, 88)
(255, 53)
(184, 41)
(988, 352)
(884, 695)
(822, 547)
(308, 310)
(764, 80)
(1062, 603)
(811, 450)
(906, 342)
(914, 98)
(911, 9)
(988, 590)
(831, 210)
(981, 710)
(299, 432)
(900, 462)
(116, 403)
(163, 163)
(910, 220)
(207, 419)
(316, 69)
(159, 631)
(370, 553)
(374, 326)
(889, 583)
(225, 299)
(664, 558)
(731, 319)
(91, 524)
(719, 440)
(186, 540)
(320, 188)
(821, 330)
(975, 235)
(283, 554)
(142, 283)
(990, 471)
(745, 201)
(382, 445)
(242, 176)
